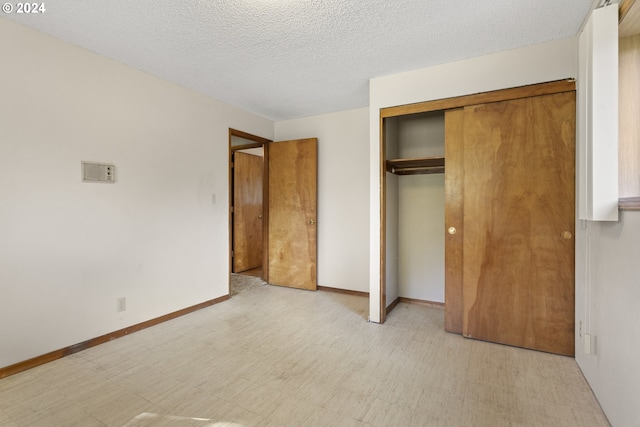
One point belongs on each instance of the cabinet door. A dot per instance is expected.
(519, 214)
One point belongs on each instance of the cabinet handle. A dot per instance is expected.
(452, 230)
(566, 235)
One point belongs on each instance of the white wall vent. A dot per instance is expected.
(98, 172)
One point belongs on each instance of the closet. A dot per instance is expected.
(509, 202)
(415, 208)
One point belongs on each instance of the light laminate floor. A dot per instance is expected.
(243, 283)
(281, 357)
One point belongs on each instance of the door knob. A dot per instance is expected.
(452, 230)
(311, 221)
(566, 235)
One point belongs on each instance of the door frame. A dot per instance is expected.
(256, 142)
(441, 105)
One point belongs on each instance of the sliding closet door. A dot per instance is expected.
(519, 210)
(453, 219)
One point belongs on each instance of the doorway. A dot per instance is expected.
(275, 240)
(247, 212)
(248, 170)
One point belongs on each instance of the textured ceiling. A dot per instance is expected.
(293, 58)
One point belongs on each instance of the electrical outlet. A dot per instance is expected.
(580, 329)
(122, 304)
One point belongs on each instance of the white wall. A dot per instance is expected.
(421, 207)
(607, 272)
(69, 249)
(535, 64)
(421, 236)
(608, 305)
(343, 204)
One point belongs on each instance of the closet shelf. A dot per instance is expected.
(421, 166)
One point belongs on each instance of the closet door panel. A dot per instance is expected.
(453, 219)
(519, 210)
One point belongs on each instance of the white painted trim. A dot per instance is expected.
(597, 116)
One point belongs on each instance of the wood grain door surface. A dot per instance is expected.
(519, 214)
(292, 236)
(453, 219)
(247, 211)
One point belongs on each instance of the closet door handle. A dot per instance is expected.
(452, 230)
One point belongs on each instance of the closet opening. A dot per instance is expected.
(414, 209)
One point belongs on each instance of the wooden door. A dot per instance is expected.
(453, 218)
(247, 211)
(519, 203)
(292, 234)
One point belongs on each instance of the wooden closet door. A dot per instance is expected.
(519, 202)
(453, 219)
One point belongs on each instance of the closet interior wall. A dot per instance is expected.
(392, 211)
